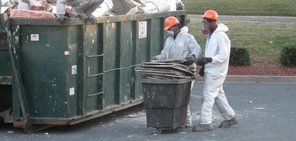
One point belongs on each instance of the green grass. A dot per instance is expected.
(244, 7)
(264, 41)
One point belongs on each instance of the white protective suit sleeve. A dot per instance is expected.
(223, 53)
(218, 48)
(163, 53)
(193, 47)
(183, 46)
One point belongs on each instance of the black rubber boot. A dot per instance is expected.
(228, 123)
(202, 128)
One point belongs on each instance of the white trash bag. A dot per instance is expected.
(156, 6)
(103, 9)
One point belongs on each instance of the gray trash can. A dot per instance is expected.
(166, 102)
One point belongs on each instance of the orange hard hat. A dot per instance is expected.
(210, 14)
(170, 22)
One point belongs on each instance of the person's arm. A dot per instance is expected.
(223, 44)
(164, 52)
(194, 47)
(194, 50)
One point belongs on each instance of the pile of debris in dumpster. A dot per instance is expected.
(165, 69)
(85, 9)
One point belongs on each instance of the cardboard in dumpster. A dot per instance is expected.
(30, 14)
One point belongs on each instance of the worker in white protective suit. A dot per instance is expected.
(215, 62)
(180, 45)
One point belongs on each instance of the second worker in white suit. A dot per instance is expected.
(215, 63)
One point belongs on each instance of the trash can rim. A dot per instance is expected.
(166, 81)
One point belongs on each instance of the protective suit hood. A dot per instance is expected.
(221, 28)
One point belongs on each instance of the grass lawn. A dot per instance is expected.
(244, 7)
(263, 40)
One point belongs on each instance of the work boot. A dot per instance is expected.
(228, 123)
(202, 128)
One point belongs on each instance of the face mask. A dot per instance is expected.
(205, 31)
(170, 33)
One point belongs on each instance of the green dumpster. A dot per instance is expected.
(73, 72)
(5, 68)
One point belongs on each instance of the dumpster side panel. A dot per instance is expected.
(5, 65)
(47, 56)
(93, 69)
(157, 36)
(5, 97)
(126, 62)
(142, 50)
(111, 62)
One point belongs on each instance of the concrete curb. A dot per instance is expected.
(257, 79)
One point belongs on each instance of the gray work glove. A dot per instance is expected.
(202, 71)
(189, 60)
(204, 60)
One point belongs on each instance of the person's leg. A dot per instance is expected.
(211, 89)
(225, 109)
(223, 106)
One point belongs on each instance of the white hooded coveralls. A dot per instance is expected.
(218, 48)
(182, 46)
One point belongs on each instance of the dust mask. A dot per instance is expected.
(205, 31)
(170, 33)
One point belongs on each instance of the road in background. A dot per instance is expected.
(254, 19)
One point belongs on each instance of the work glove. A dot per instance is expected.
(189, 60)
(202, 71)
(204, 60)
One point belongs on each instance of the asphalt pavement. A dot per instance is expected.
(265, 111)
